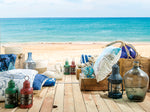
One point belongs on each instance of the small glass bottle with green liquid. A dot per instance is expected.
(136, 83)
(66, 68)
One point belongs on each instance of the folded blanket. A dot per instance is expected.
(42, 80)
(39, 81)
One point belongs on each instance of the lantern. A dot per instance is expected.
(66, 68)
(26, 100)
(73, 68)
(11, 94)
(115, 83)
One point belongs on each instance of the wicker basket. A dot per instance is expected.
(20, 55)
(126, 64)
(19, 61)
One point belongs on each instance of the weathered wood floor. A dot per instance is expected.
(67, 97)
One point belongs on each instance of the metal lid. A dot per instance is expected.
(26, 83)
(11, 83)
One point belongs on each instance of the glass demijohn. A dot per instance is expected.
(29, 63)
(136, 83)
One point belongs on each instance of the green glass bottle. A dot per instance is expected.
(11, 95)
(66, 68)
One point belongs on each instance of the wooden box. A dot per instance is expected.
(78, 71)
(91, 84)
(19, 61)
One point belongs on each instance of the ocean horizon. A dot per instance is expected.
(74, 29)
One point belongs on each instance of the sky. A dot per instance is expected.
(74, 8)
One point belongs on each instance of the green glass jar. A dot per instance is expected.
(11, 95)
(136, 83)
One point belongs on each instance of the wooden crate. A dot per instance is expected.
(19, 61)
(78, 71)
(91, 84)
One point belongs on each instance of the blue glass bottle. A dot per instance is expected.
(29, 63)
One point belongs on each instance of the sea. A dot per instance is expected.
(74, 29)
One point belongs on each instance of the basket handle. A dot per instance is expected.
(123, 44)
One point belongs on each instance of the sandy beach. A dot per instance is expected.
(59, 52)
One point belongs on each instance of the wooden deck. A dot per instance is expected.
(67, 97)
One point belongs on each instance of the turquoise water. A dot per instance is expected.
(74, 29)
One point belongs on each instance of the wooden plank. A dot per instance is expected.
(2, 108)
(68, 78)
(78, 99)
(21, 110)
(17, 109)
(145, 104)
(59, 98)
(49, 100)
(73, 79)
(89, 102)
(134, 106)
(110, 103)
(68, 99)
(61, 81)
(2, 105)
(123, 105)
(38, 100)
(101, 105)
(8, 110)
(148, 94)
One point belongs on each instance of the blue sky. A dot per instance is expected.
(74, 8)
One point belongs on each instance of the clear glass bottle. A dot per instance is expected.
(136, 83)
(29, 63)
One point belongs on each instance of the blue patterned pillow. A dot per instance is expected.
(7, 62)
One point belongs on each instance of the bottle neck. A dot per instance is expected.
(26, 84)
(73, 63)
(29, 56)
(11, 84)
(67, 63)
(135, 65)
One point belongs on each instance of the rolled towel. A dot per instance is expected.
(41, 65)
(52, 74)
